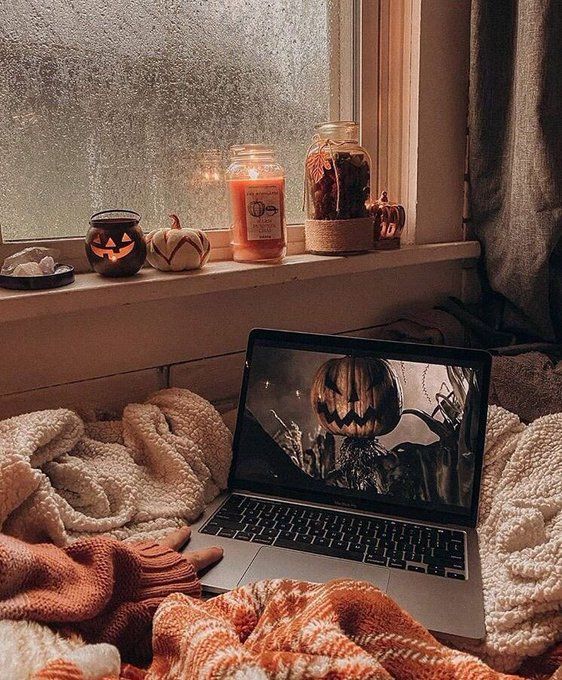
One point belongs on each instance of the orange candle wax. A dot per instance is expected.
(258, 218)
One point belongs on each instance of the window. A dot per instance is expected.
(134, 103)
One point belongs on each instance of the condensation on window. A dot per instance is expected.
(134, 103)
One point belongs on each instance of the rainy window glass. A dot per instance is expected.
(134, 103)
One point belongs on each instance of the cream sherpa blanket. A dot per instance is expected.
(520, 531)
(62, 479)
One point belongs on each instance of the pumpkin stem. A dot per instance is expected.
(176, 224)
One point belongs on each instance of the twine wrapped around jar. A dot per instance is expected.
(338, 237)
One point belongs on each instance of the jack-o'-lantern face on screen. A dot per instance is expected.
(357, 397)
(110, 249)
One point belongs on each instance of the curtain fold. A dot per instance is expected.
(515, 158)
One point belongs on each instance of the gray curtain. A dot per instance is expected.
(515, 158)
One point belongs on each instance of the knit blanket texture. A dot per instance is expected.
(281, 630)
(520, 537)
(289, 629)
(62, 478)
(351, 630)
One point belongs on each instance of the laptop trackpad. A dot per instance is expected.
(290, 564)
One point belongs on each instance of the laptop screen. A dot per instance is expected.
(362, 429)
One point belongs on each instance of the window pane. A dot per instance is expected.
(117, 103)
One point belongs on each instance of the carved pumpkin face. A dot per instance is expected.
(357, 397)
(110, 249)
(116, 252)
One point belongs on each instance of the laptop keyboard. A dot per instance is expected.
(372, 540)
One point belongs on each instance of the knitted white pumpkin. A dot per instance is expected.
(176, 249)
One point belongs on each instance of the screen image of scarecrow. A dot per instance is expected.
(362, 425)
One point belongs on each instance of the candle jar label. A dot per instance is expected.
(264, 218)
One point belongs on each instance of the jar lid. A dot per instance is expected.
(251, 150)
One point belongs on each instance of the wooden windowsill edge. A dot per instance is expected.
(91, 291)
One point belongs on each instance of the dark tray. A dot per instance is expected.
(59, 278)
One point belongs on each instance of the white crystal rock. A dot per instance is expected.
(28, 269)
(47, 265)
(34, 254)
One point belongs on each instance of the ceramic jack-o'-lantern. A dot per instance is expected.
(389, 220)
(115, 243)
(357, 397)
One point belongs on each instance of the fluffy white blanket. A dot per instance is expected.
(43, 645)
(520, 531)
(62, 478)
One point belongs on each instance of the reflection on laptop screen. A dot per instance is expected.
(399, 432)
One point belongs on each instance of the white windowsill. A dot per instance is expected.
(92, 291)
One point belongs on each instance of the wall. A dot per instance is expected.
(107, 357)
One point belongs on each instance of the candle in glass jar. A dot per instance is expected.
(256, 185)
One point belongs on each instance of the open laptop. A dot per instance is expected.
(360, 459)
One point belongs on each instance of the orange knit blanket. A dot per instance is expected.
(288, 629)
(343, 630)
(69, 614)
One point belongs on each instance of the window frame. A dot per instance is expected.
(382, 62)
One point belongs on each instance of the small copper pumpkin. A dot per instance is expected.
(357, 397)
(389, 220)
